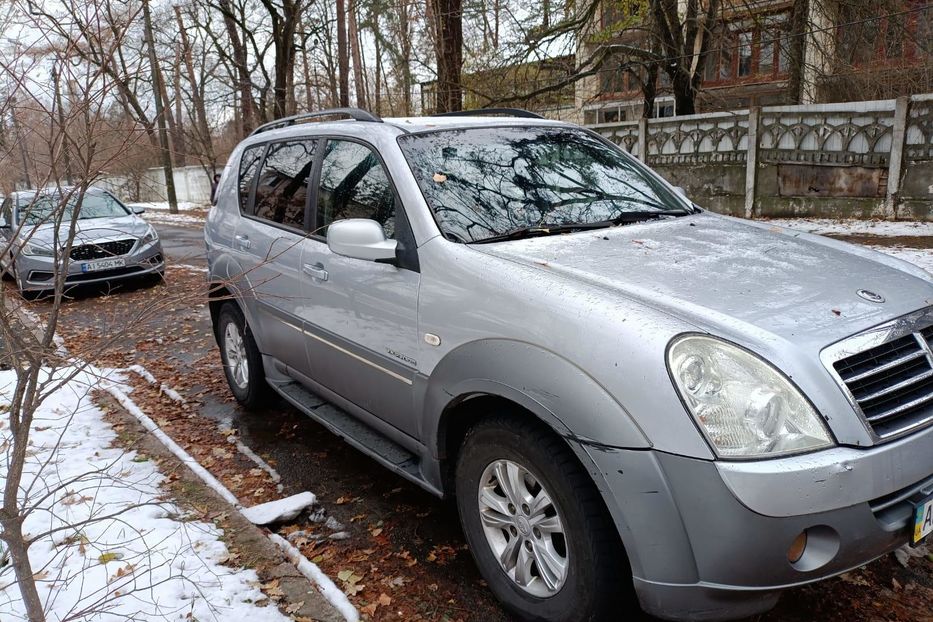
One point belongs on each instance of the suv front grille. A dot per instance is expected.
(892, 383)
(102, 250)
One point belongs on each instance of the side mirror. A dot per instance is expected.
(138, 209)
(360, 238)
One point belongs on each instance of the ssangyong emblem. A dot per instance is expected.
(870, 296)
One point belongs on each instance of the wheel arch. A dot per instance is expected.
(547, 386)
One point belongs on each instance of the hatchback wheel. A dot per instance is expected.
(537, 526)
(241, 358)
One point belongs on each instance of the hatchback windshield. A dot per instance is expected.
(484, 183)
(44, 208)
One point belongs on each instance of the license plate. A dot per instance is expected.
(103, 264)
(923, 519)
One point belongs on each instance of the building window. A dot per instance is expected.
(902, 32)
(751, 51)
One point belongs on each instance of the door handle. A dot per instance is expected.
(316, 271)
(243, 242)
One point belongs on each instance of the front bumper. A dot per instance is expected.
(38, 273)
(699, 552)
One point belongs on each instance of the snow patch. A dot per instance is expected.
(887, 228)
(170, 444)
(117, 549)
(279, 510)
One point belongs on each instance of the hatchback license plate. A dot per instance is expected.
(923, 520)
(103, 264)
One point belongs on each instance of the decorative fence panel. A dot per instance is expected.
(871, 158)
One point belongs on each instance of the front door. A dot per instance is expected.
(363, 314)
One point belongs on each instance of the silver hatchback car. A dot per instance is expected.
(623, 391)
(111, 242)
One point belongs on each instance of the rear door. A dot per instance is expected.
(364, 314)
(268, 242)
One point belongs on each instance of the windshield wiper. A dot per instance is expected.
(540, 230)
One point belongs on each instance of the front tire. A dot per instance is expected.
(536, 525)
(241, 358)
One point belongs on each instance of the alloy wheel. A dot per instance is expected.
(237, 361)
(523, 528)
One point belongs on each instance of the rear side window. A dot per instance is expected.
(249, 164)
(354, 184)
(282, 192)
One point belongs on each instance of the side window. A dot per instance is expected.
(6, 212)
(282, 192)
(354, 184)
(249, 163)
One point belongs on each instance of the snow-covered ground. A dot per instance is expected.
(887, 228)
(146, 563)
(190, 214)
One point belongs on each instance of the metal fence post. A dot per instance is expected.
(896, 156)
(643, 140)
(751, 162)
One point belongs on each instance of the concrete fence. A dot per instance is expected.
(870, 159)
(192, 185)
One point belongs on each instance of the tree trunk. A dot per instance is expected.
(203, 130)
(66, 155)
(798, 25)
(353, 36)
(343, 59)
(240, 60)
(174, 122)
(448, 43)
(22, 568)
(164, 152)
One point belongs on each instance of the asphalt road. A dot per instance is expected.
(182, 244)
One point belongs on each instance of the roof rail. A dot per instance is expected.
(357, 114)
(484, 112)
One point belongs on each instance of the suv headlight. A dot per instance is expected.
(36, 249)
(150, 237)
(744, 406)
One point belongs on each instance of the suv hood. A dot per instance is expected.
(716, 271)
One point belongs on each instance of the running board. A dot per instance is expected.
(356, 433)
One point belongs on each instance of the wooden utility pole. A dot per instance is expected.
(164, 151)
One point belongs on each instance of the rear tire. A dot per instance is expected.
(595, 578)
(241, 358)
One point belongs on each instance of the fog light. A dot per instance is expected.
(795, 552)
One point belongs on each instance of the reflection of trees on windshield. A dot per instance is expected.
(488, 181)
(42, 208)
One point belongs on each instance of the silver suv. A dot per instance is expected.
(623, 391)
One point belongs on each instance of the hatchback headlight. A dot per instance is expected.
(744, 406)
(36, 249)
(150, 237)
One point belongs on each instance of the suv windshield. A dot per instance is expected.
(41, 209)
(488, 183)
